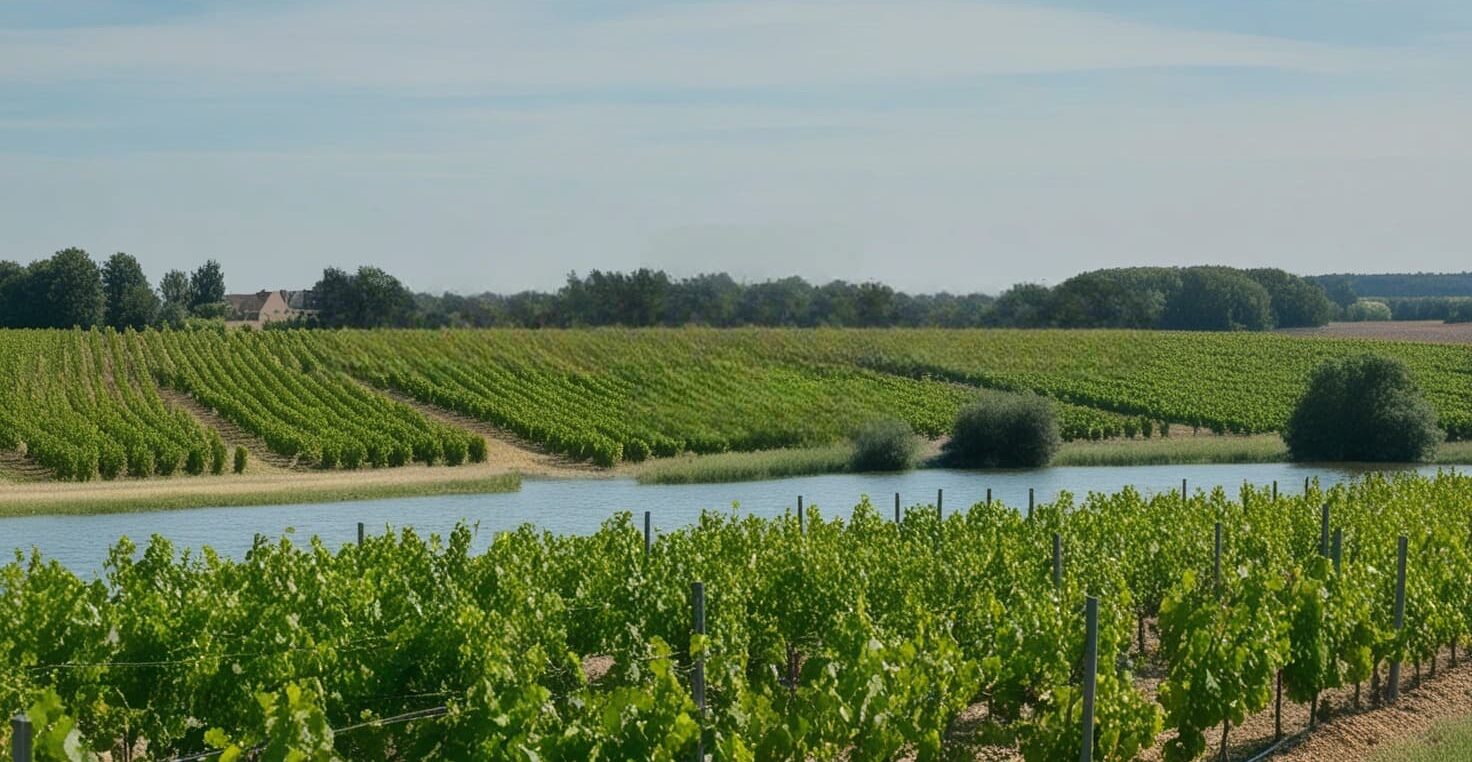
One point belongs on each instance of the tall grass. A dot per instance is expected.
(746, 466)
(1181, 450)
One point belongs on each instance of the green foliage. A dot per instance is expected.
(1365, 408)
(207, 289)
(885, 444)
(130, 302)
(1224, 648)
(309, 652)
(1367, 310)
(1017, 431)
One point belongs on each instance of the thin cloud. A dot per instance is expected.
(449, 47)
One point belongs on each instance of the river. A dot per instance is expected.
(581, 505)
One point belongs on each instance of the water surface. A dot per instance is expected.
(581, 505)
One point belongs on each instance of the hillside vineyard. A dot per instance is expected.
(89, 404)
(824, 638)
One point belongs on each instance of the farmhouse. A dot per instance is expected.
(264, 307)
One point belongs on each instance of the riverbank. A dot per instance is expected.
(268, 488)
(1187, 450)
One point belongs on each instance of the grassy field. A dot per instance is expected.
(1448, 741)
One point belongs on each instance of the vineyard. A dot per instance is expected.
(862, 637)
(91, 405)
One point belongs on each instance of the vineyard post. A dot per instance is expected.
(1031, 501)
(940, 511)
(1216, 566)
(802, 527)
(1057, 562)
(360, 533)
(648, 534)
(1305, 485)
(1336, 549)
(1275, 490)
(896, 507)
(1184, 494)
(1278, 710)
(697, 675)
(20, 737)
(1091, 675)
(1324, 530)
(988, 497)
(1393, 691)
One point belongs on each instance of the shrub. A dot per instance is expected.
(1364, 408)
(455, 450)
(1015, 431)
(636, 451)
(217, 455)
(241, 456)
(477, 450)
(194, 461)
(886, 444)
(111, 460)
(140, 461)
(1363, 310)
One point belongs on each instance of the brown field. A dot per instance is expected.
(1428, 331)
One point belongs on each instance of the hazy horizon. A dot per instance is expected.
(930, 144)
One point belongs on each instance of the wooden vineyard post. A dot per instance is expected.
(1031, 501)
(802, 527)
(648, 534)
(697, 674)
(1275, 490)
(896, 507)
(988, 497)
(1184, 494)
(940, 501)
(1057, 562)
(1393, 690)
(1305, 485)
(1091, 675)
(20, 738)
(1336, 548)
(360, 534)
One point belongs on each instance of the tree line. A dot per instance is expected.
(69, 289)
(1190, 298)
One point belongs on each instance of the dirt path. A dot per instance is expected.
(505, 449)
(1354, 736)
(261, 457)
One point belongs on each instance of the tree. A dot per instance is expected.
(65, 291)
(381, 301)
(336, 296)
(130, 302)
(1025, 305)
(1218, 299)
(175, 289)
(206, 286)
(1295, 302)
(1341, 292)
(1364, 408)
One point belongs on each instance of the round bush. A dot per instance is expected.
(1363, 408)
(887, 444)
(241, 456)
(1014, 431)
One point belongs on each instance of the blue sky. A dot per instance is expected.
(932, 144)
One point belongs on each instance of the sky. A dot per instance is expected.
(929, 144)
